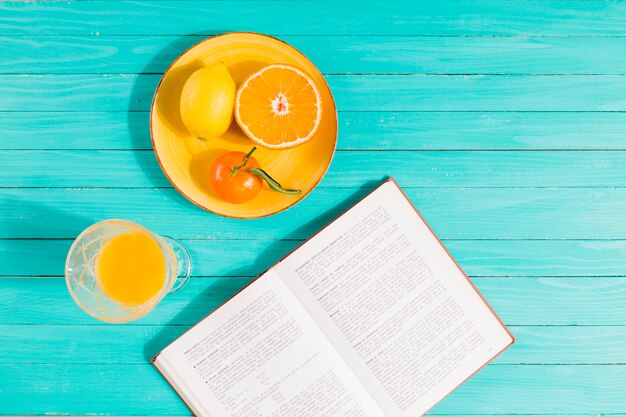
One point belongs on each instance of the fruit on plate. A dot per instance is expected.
(207, 100)
(237, 177)
(278, 107)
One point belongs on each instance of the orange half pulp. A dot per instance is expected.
(278, 107)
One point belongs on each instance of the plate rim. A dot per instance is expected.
(154, 147)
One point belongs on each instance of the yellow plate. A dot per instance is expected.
(186, 160)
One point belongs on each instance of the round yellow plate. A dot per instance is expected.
(186, 160)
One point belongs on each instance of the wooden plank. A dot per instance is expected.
(535, 345)
(479, 258)
(539, 257)
(87, 389)
(87, 168)
(331, 54)
(566, 345)
(358, 130)
(484, 17)
(123, 92)
(568, 301)
(552, 388)
(453, 213)
(200, 297)
(140, 390)
(480, 130)
(77, 130)
(519, 301)
(479, 93)
(135, 168)
(85, 343)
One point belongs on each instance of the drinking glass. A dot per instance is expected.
(81, 273)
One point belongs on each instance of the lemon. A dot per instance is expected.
(207, 101)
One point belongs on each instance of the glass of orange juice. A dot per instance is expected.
(117, 270)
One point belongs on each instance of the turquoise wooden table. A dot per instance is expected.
(504, 121)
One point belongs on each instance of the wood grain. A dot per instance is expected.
(87, 168)
(453, 213)
(535, 345)
(522, 301)
(331, 54)
(479, 258)
(483, 17)
(553, 388)
(124, 92)
(566, 345)
(139, 389)
(358, 130)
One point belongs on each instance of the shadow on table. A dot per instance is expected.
(141, 99)
(198, 308)
(268, 256)
(34, 220)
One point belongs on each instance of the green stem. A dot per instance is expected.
(273, 184)
(243, 163)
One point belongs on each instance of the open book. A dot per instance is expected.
(370, 317)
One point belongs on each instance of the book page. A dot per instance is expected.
(394, 304)
(261, 355)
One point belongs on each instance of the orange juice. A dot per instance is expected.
(131, 268)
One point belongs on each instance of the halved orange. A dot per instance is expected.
(278, 107)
